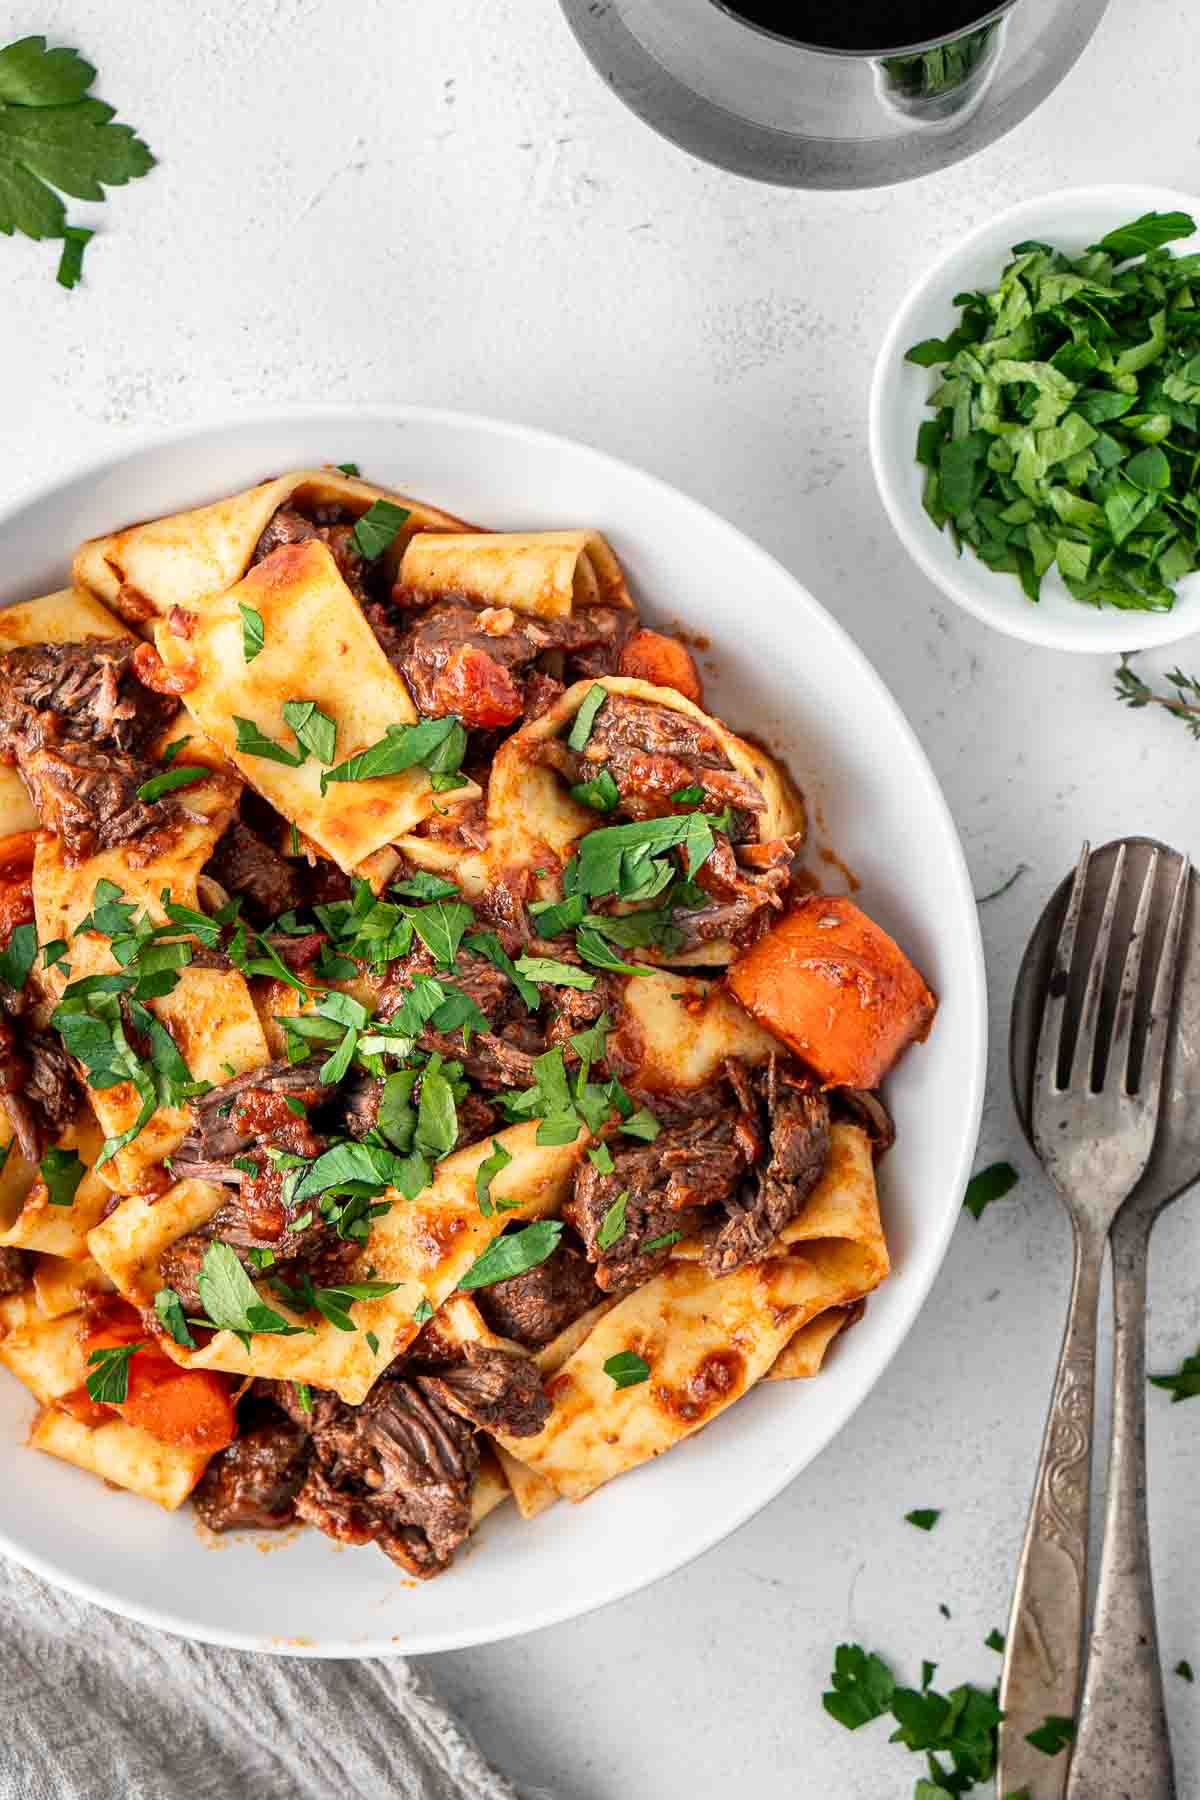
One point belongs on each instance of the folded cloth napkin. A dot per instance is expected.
(97, 1708)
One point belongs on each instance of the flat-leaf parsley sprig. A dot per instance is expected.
(55, 139)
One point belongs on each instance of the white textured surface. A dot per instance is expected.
(441, 203)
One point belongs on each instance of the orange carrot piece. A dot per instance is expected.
(664, 662)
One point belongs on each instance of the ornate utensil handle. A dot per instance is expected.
(1044, 1653)
(1122, 1746)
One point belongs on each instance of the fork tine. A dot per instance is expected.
(1045, 1075)
(1131, 975)
(1150, 1079)
(1084, 1055)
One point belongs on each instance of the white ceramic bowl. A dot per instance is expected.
(1070, 221)
(790, 674)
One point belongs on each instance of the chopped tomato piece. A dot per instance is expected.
(479, 689)
(837, 989)
(153, 673)
(189, 1408)
(664, 662)
(16, 903)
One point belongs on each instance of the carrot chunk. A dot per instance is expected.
(189, 1408)
(664, 662)
(836, 989)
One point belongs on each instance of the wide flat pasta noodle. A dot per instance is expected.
(61, 1231)
(209, 1012)
(549, 573)
(533, 823)
(424, 1245)
(706, 1340)
(804, 1357)
(66, 617)
(317, 646)
(63, 1285)
(182, 559)
(676, 1031)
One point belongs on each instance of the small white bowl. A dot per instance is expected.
(1070, 221)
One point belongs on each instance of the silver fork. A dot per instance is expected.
(1094, 1133)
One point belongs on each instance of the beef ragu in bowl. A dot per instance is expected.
(432, 1076)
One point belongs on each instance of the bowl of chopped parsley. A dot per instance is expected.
(1035, 420)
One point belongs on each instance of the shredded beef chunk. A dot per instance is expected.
(41, 1093)
(500, 1057)
(397, 1471)
(533, 1308)
(228, 1123)
(332, 526)
(253, 1484)
(478, 662)
(744, 898)
(796, 1117)
(89, 798)
(245, 864)
(77, 693)
(497, 1390)
(14, 1271)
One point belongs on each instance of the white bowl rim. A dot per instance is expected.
(969, 1098)
(1027, 623)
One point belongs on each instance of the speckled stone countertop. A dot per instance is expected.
(442, 203)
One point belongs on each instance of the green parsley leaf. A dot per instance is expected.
(486, 943)
(372, 1342)
(53, 952)
(230, 1299)
(691, 795)
(54, 135)
(592, 947)
(553, 916)
(995, 1641)
(108, 1383)
(600, 1157)
(661, 1243)
(253, 634)
(437, 1117)
(378, 528)
(862, 1687)
(62, 1171)
(348, 469)
(612, 1226)
(70, 263)
(513, 1253)
(440, 928)
(186, 775)
(623, 859)
(1184, 1384)
(560, 974)
(17, 956)
(585, 718)
(1185, 1671)
(422, 1313)
(1149, 232)
(304, 1396)
(333, 1303)
(601, 793)
(642, 1124)
(169, 1308)
(626, 1369)
(1052, 1735)
(924, 1517)
(437, 745)
(253, 742)
(422, 885)
(989, 1184)
(312, 728)
(486, 1173)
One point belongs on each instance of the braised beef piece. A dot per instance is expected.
(575, 1009)
(41, 1092)
(501, 1057)
(494, 1389)
(244, 863)
(225, 1128)
(477, 661)
(744, 899)
(318, 1253)
(252, 1485)
(77, 721)
(397, 1471)
(533, 1308)
(793, 1113)
(332, 526)
(15, 1269)
(865, 1108)
(651, 752)
(77, 693)
(361, 1102)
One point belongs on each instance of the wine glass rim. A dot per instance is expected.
(994, 13)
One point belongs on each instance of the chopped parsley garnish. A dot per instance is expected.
(642, 1124)
(348, 469)
(172, 750)
(513, 1254)
(862, 1687)
(600, 1157)
(627, 859)
(661, 1243)
(1184, 1384)
(304, 1396)
(312, 728)
(626, 1369)
(251, 741)
(688, 796)
(62, 1171)
(17, 957)
(108, 1382)
(486, 943)
(486, 1173)
(185, 775)
(924, 1517)
(333, 1303)
(378, 528)
(169, 1308)
(959, 1726)
(989, 1184)
(585, 718)
(54, 952)
(54, 135)
(612, 1226)
(422, 1313)
(422, 885)
(253, 635)
(592, 947)
(560, 974)
(440, 927)
(1052, 1735)
(372, 1342)
(232, 1303)
(553, 916)
(1185, 1671)
(601, 793)
(435, 745)
(995, 1641)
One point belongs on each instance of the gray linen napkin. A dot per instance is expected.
(97, 1708)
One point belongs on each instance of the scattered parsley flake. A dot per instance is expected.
(62, 1171)
(378, 528)
(108, 1383)
(70, 264)
(186, 775)
(626, 1369)
(253, 634)
(585, 718)
(1184, 1384)
(1052, 1735)
(513, 1254)
(989, 1184)
(612, 1226)
(923, 1517)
